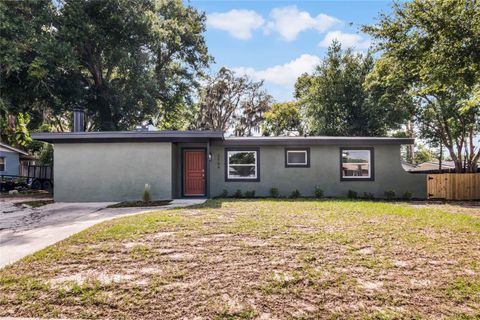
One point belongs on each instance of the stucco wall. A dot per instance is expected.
(324, 171)
(89, 172)
(11, 161)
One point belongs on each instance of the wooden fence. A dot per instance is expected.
(454, 186)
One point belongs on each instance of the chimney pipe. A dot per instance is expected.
(78, 119)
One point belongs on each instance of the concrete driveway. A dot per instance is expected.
(25, 230)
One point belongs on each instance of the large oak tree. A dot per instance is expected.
(123, 61)
(433, 46)
(337, 102)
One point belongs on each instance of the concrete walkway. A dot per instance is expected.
(25, 230)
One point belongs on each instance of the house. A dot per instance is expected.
(13, 161)
(115, 166)
(433, 167)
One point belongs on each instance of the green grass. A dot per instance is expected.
(241, 259)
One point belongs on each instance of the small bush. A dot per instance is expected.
(237, 194)
(368, 196)
(407, 195)
(318, 192)
(352, 194)
(389, 194)
(295, 194)
(224, 194)
(146, 195)
(274, 192)
(250, 194)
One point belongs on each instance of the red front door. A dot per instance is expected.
(194, 172)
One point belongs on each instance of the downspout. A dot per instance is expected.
(207, 174)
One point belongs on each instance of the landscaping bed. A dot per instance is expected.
(228, 259)
(130, 204)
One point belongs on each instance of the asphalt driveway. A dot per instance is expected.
(25, 230)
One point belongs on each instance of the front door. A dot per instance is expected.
(194, 172)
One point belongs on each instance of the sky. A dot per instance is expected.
(277, 41)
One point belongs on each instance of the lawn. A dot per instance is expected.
(264, 259)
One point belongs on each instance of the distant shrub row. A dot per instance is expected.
(317, 192)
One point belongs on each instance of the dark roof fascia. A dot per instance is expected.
(307, 141)
(129, 136)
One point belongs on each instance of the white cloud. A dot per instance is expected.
(289, 22)
(283, 75)
(348, 40)
(239, 23)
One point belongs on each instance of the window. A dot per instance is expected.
(241, 165)
(297, 157)
(2, 164)
(356, 164)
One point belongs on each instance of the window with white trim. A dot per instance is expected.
(297, 158)
(242, 164)
(356, 164)
(2, 164)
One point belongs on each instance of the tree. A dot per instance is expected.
(254, 105)
(233, 102)
(25, 28)
(336, 101)
(283, 119)
(123, 61)
(433, 47)
(423, 154)
(135, 59)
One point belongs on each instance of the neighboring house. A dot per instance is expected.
(431, 167)
(115, 166)
(13, 161)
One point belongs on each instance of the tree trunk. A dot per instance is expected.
(104, 113)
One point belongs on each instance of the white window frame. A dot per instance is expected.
(232, 152)
(4, 164)
(369, 164)
(297, 163)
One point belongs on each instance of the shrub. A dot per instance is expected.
(146, 195)
(352, 194)
(368, 196)
(250, 194)
(274, 192)
(224, 194)
(389, 194)
(237, 194)
(318, 192)
(407, 195)
(295, 194)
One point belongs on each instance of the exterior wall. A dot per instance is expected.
(12, 163)
(90, 172)
(324, 171)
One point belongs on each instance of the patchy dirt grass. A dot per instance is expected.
(34, 203)
(262, 259)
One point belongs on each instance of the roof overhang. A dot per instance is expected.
(128, 136)
(315, 140)
(10, 148)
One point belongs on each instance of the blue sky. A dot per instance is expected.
(278, 40)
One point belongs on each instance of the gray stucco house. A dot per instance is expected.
(115, 166)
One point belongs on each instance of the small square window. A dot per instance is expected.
(297, 157)
(356, 164)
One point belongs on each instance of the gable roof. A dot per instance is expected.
(6, 146)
